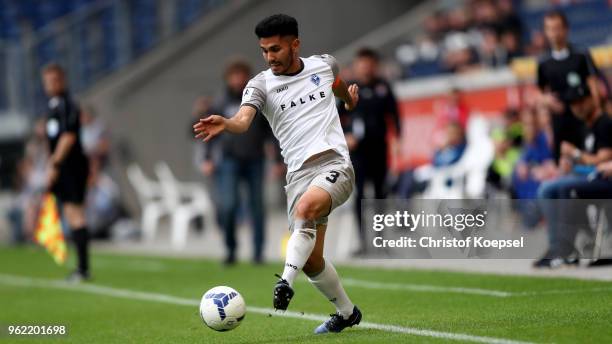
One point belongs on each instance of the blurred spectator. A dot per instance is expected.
(486, 14)
(102, 202)
(491, 52)
(563, 68)
(236, 159)
(436, 25)
(30, 185)
(455, 110)
(511, 44)
(509, 20)
(201, 107)
(537, 45)
(535, 165)
(94, 136)
(508, 141)
(368, 126)
(579, 166)
(449, 153)
(459, 55)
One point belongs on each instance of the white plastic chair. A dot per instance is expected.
(186, 201)
(149, 195)
(468, 176)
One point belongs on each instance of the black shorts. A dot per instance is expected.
(71, 183)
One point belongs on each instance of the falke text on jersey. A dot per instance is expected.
(303, 100)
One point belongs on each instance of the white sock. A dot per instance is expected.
(299, 247)
(328, 283)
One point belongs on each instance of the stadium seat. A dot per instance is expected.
(186, 202)
(149, 195)
(466, 178)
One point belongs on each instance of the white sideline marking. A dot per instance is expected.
(423, 288)
(563, 291)
(22, 281)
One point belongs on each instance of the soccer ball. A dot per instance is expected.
(222, 308)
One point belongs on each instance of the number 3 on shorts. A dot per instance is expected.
(333, 176)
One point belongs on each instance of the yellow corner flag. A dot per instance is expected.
(49, 229)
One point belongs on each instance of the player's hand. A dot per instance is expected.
(522, 171)
(353, 91)
(351, 141)
(207, 167)
(552, 103)
(565, 165)
(209, 127)
(51, 175)
(605, 168)
(568, 149)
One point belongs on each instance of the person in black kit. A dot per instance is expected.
(68, 167)
(561, 68)
(366, 129)
(580, 168)
(234, 159)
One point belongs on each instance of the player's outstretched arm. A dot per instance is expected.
(213, 125)
(348, 94)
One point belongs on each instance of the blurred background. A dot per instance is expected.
(463, 76)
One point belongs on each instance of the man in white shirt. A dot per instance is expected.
(296, 95)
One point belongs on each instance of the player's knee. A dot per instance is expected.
(307, 210)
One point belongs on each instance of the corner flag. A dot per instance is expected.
(49, 229)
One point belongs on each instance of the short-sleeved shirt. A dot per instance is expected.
(557, 73)
(63, 116)
(599, 135)
(301, 109)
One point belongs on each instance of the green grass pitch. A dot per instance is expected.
(422, 306)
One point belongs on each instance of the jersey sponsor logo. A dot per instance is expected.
(303, 100)
(315, 79)
(284, 88)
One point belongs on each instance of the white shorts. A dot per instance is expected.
(331, 172)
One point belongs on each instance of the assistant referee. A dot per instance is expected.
(68, 167)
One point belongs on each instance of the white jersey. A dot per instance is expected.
(301, 109)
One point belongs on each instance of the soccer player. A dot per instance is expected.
(68, 167)
(296, 95)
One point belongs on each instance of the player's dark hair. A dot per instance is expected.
(366, 52)
(557, 14)
(277, 24)
(53, 67)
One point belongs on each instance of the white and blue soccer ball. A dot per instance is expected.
(222, 308)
